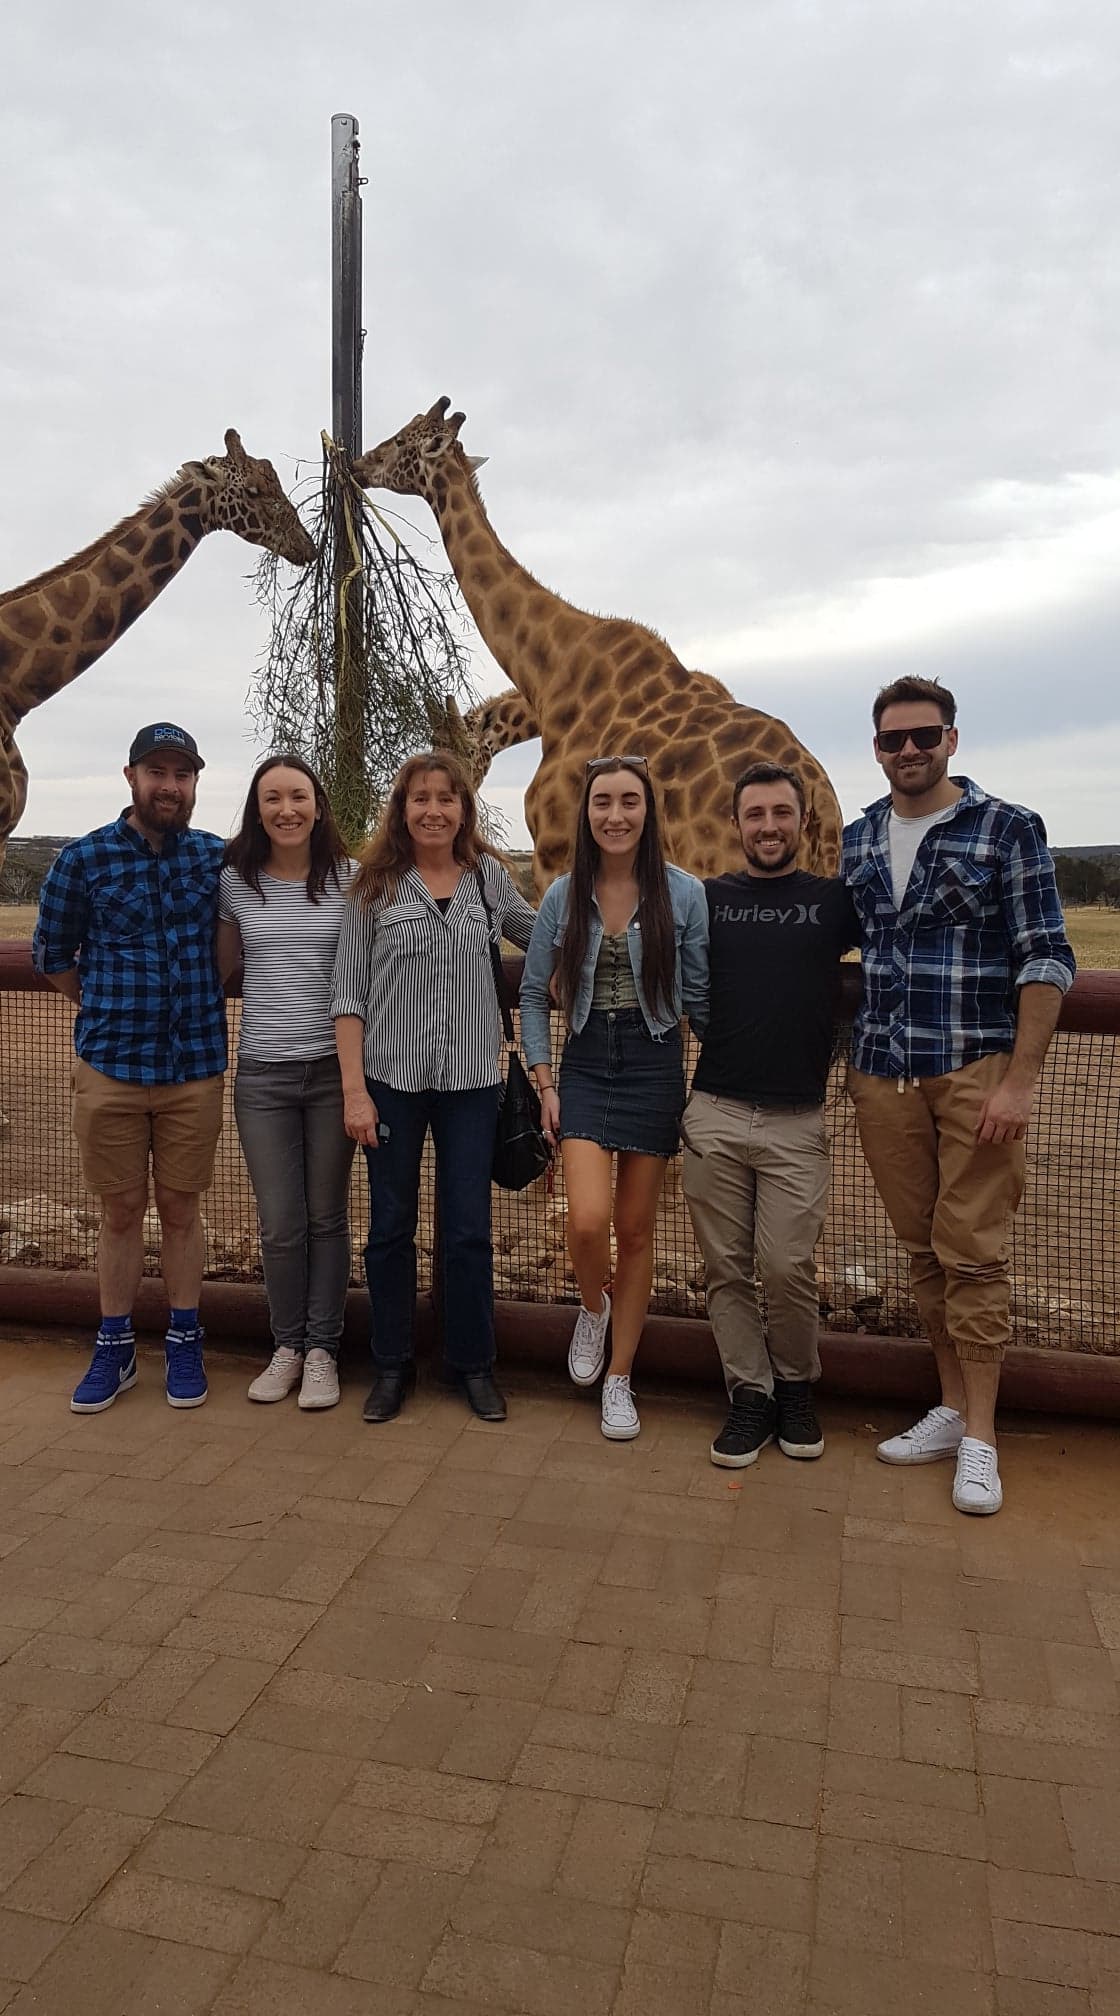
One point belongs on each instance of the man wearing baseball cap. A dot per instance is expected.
(126, 929)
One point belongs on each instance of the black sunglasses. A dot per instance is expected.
(609, 762)
(892, 740)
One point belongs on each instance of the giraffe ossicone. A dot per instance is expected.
(55, 626)
(587, 685)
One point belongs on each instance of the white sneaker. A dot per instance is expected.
(320, 1380)
(620, 1416)
(283, 1371)
(588, 1347)
(976, 1487)
(937, 1434)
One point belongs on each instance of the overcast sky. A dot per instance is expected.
(790, 329)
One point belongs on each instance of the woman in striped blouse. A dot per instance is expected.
(419, 1039)
(281, 902)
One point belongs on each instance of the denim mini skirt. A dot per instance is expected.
(621, 1087)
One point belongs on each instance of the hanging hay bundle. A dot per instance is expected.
(367, 658)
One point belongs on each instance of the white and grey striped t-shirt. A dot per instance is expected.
(422, 982)
(290, 946)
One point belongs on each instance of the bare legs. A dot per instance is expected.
(637, 1187)
(120, 1247)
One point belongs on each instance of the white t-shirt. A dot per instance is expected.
(290, 945)
(904, 837)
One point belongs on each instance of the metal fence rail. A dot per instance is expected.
(1066, 1290)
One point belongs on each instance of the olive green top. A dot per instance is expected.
(614, 975)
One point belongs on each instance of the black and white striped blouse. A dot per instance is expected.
(421, 981)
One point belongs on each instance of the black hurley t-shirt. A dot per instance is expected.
(775, 951)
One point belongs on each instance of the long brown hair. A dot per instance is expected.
(655, 911)
(250, 846)
(388, 853)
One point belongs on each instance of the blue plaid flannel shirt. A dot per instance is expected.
(980, 919)
(141, 927)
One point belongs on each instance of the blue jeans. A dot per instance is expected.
(289, 1117)
(462, 1125)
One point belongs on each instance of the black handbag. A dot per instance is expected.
(521, 1153)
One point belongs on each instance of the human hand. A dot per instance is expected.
(1005, 1114)
(359, 1118)
(550, 1115)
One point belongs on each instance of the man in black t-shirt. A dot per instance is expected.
(756, 1165)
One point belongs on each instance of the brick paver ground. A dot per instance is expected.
(443, 1720)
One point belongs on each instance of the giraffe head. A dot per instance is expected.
(410, 461)
(240, 494)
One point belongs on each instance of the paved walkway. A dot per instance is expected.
(432, 1719)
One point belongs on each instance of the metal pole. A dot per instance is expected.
(349, 772)
(346, 284)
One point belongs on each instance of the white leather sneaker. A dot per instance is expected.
(320, 1381)
(283, 1371)
(937, 1435)
(588, 1347)
(976, 1487)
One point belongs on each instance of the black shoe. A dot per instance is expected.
(799, 1431)
(390, 1385)
(483, 1395)
(747, 1429)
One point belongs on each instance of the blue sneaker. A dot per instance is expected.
(186, 1374)
(112, 1370)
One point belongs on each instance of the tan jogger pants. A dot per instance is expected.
(756, 1183)
(950, 1199)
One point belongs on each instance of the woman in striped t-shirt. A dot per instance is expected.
(416, 1021)
(281, 902)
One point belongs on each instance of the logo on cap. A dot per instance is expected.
(161, 735)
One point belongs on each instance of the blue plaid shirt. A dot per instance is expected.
(980, 918)
(141, 927)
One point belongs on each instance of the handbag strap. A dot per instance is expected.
(500, 987)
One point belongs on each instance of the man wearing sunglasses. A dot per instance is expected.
(965, 961)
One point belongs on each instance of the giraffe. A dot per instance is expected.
(54, 627)
(591, 685)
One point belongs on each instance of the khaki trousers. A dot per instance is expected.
(756, 1182)
(950, 1199)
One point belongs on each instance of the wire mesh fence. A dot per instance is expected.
(1065, 1262)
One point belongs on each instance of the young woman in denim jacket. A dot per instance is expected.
(622, 945)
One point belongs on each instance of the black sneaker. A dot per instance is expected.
(799, 1431)
(747, 1429)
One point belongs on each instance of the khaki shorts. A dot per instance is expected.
(121, 1127)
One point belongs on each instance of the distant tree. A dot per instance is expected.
(1080, 878)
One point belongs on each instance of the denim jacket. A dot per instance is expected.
(690, 983)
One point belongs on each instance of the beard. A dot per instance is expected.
(162, 818)
(919, 778)
(771, 864)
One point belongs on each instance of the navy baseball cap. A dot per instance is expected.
(162, 738)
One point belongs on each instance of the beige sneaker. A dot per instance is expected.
(283, 1371)
(320, 1381)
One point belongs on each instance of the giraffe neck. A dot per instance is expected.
(516, 617)
(54, 627)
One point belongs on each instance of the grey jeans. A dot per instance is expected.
(289, 1117)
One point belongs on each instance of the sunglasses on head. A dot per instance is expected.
(892, 740)
(608, 763)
